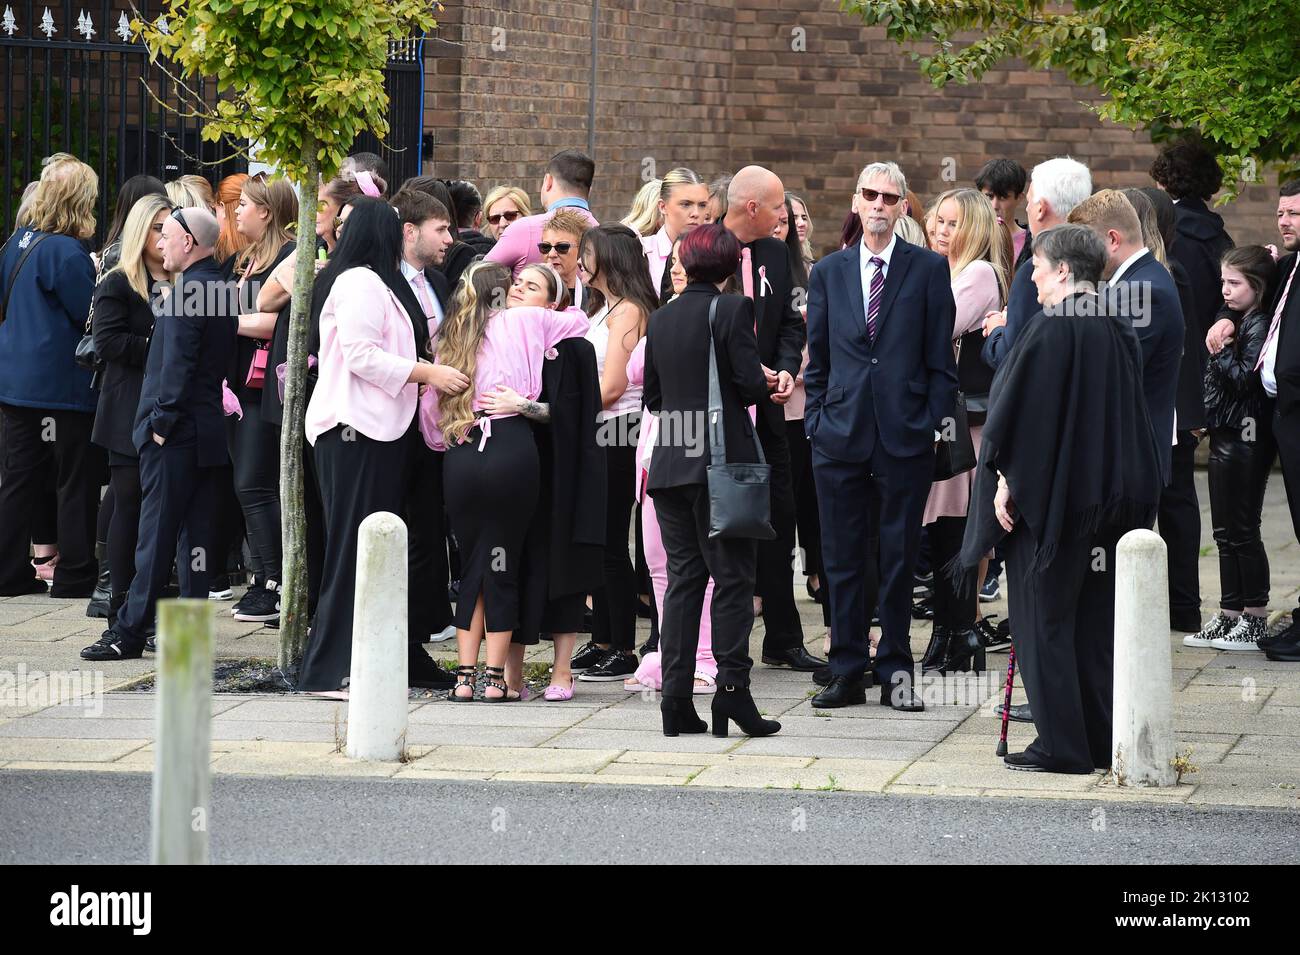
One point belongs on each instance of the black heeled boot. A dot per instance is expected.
(735, 703)
(965, 652)
(100, 599)
(680, 717)
(937, 650)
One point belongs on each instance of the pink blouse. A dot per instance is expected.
(514, 346)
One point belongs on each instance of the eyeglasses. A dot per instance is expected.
(890, 198)
(508, 216)
(561, 248)
(180, 218)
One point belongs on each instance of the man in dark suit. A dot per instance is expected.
(1191, 177)
(1141, 290)
(755, 199)
(880, 381)
(1279, 368)
(179, 430)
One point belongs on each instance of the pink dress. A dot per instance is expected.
(976, 293)
(514, 346)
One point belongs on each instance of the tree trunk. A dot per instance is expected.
(293, 599)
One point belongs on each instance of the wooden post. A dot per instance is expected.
(182, 748)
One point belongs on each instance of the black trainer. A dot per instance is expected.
(110, 646)
(260, 605)
(587, 657)
(615, 665)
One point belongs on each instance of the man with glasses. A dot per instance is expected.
(567, 184)
(179, 430)
(881, 382)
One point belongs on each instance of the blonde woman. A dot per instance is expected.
(265, 215)
(123, 326)
(491, 468)
(682, 203)
(504, 205)
(645, 217)
(967, 232)
(191, 192)
(46, 402)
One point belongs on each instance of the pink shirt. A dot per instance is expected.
(657, 249)
(648, 434)
(367, 351)
(514, 346)
(517, 246)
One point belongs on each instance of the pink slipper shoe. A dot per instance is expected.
(560, 694)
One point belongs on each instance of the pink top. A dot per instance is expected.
(514, 346)
(1018, 243)
(658, 248)
(517, 246)
(367, 351)
(648, 434)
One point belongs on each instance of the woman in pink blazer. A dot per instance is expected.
(361, 419)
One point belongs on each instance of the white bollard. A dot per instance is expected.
(377, 691)
(1143, 742)
(182, 750)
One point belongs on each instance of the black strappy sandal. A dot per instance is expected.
(464, 677)
(496, 677)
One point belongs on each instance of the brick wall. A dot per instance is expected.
(809, 92)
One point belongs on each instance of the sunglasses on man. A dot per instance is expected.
(890, 198)
(561, 248)
(508, 216)
(180, 220)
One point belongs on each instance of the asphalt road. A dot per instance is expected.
(103, 818)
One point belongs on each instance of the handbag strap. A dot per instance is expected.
(13, 276)
(717, 440)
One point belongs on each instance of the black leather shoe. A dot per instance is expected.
(588, 656)
(110, 646)
(841, 691)
(1019, 713)
(796, 658)
(923, 609)
(1021, 762)
(424, 673)
(679, 716)
(734, 704)
(151, 644)
(1286, 635)
(101, 599)
(936, 651)
(1288, 651)
(901, 698)
(994, 638)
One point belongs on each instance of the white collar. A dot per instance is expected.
(1126, 264)
(409, 271)
(886, 254)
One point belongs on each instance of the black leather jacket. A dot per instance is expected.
(1233, 391)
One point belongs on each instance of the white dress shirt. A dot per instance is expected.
(869, 270)
(1126, 265)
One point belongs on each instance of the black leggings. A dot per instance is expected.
(124, 483)
(950, 608)
(613, 606)
(255, 451)
(1238, 472)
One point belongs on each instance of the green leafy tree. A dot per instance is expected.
(301, 79)
(1227, 72)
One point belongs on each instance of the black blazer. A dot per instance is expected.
(192, 348)
(781, 332)
(897, 389)
(1286, 366)
(122, 325)
(677, 382)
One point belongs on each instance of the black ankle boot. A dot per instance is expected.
(735, 703)
(100, 599)
(937, 650)
(679, 716)
(965, 652)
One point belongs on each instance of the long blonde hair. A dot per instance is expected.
(277, 196)
(137, 231)
(481, 293)
(976, 236)
(64, 200)
(644, 218)
(1151, 236)
(191, 191)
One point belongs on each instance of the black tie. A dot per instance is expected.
(666, 283)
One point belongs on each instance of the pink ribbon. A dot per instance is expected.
(229, 403)
(367, 184)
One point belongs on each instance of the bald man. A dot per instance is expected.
(755, 199)
(179, 430)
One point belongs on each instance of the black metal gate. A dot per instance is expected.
(75, 82)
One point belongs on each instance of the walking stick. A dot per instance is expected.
(1006, 701)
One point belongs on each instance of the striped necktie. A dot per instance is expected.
(873, 297)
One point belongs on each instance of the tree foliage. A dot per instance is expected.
(1228, 72)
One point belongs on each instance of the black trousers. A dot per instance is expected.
(1238, 476)
(613, 606)
(255, 453)
(1065, 646)
(40, 444)
(782, 629)
(807, 523)
(844, 493)
(428, 608)
(314, 518)
(176, 511)
(123, 531)
(228, 536)
(1286, 433)
(1180, 526)
(358, 476)
(951, 609)
(693, 557)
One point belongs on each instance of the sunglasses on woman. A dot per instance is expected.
(891, 198)
(508, 216)
(561, 248)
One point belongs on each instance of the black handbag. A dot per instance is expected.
(955, 455)
(85, 355)
(740, 495)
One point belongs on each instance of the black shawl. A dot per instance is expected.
(1068, 427)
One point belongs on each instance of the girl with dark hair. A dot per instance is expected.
(613, 260)
(785, 231)
(1240, 417)
(132, 191)
(361, 418)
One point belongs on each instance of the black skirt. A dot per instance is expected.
(491, 496)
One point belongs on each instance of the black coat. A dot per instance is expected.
(1287, 364)
(781, 331)
(193, 345)
(1200, 244)
(458, 259)
(123, 323)
(677, 382)
(1233, 391)
(575, 468)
